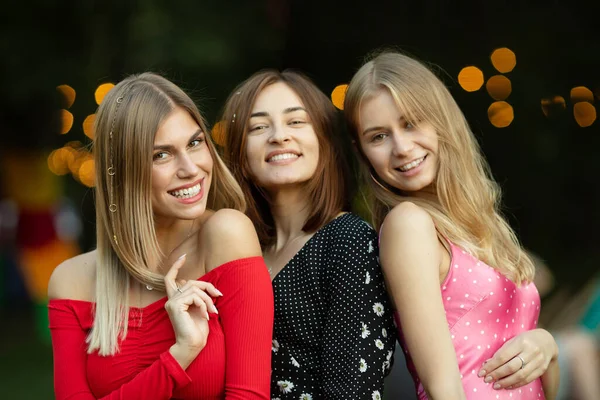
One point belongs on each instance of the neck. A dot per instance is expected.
(290, 208)
(172, 234)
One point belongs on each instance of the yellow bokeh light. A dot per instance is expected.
(218, 134)
(88, 125)
(78, 157)
(470, 78)
(581, 93)
(101, 92)
(66, 121)
(504, 60)
(554, 105)
(68, 94)
(86, 172)
(57, 163)
(585, 114)
(338, 95)
(499, 87)
(501, 114)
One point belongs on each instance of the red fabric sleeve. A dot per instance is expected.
(158, 381)
(246, 311)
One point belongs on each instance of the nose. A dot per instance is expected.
(402, 144)
(279, 134)
(187, 166)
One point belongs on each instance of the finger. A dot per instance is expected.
(188, 299)
(207, 287)
(516, 380)
(510, 368)
(506, 353)
(171, 275)
(210, 305)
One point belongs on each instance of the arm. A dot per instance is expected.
(158, 381)
(411, 257)
(359, 336)
(246, 308)
(540, 352)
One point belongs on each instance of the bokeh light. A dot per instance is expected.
(470, 78)
(218, 134)
(501, 114)
(584, 113)
(499, 87)
(552, 106)
(58, 161)
(86, 172)
(581, 93)
(338, 95)
(88, 125)
(504, 60)
(101, 92)
(68, 95)
(66, 121)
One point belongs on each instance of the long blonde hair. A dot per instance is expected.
(466, 205)
(127, 246)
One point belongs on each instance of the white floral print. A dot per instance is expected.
(371, 248)
(362, 365)
(376, 395)
(384, 332)
(378, 308)
(305, 396)
(285, 386)
(368, 279)
(275, 346)
(294, 362)
(364, 330)
(379, 344)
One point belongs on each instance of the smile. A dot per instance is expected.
(412, 164)
(187, 192)
(282, 156)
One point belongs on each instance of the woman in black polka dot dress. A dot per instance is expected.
(334, 334)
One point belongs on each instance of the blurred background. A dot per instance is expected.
(526, 74)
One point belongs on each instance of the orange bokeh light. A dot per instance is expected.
(501, 114)
(338, 95)
(499, 87)
(504, 60)
(88, 126)
(470, 78)
(68, 95)
(66, 121)
(218, 134)
(584, 113)
(101, 92)
(86, 172)
(581, 93)
(554, 105)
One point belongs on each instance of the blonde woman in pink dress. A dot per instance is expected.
(458, 277)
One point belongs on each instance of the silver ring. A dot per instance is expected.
(522, 362)
(179, 289)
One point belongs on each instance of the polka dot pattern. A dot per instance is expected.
(484, 309)
(334, 334)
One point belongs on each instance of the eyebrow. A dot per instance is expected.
(285, 111)
(378, 128)
(169, 147)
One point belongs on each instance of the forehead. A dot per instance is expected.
(378, 107)
(178, 122)
(277, 96)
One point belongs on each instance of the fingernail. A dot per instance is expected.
(497, 386)
(182, 256)
(218, 292)
(488, 379)
(481, 373)
(215, 309)
(207, 317)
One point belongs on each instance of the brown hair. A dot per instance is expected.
(126, 124)
(328, 187)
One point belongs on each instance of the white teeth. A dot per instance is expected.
(186, 193)
(284, 156)
(411, 165)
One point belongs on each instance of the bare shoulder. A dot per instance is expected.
(74, 278)
(408, 218)
(228, 235)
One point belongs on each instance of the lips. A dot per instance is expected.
(281, 155)
(410, 165)
(187, 191)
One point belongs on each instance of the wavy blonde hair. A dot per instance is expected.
(466, 204)
(127, 246)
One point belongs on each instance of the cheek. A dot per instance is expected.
(253, 155)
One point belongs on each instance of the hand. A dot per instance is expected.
(520, 360)
(188, 306)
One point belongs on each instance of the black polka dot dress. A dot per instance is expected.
(334, 334)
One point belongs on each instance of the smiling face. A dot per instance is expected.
(403, 155)
(282, 147)
(181, 168)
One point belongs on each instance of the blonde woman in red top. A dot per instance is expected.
(176, 300)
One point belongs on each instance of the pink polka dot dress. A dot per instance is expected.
(484, 310)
